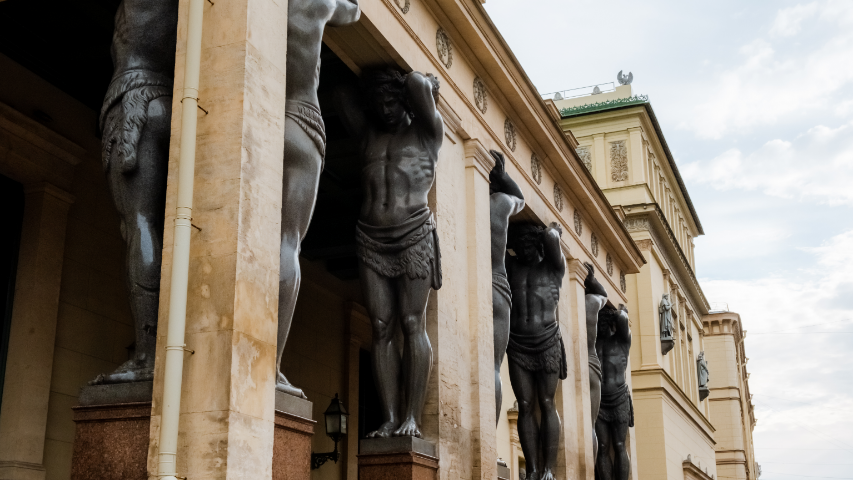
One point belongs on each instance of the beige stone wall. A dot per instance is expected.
(93, 324)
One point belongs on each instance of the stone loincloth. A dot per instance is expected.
(310, 119)
(132, 91)
(410, 248)
(594, 367)
(500, 286)
(617, 407)
(543, 351)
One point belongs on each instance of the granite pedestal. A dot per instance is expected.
(111, 436)
(291, 458)
(397, 458)
(503, 470)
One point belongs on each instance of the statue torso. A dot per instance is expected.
(535, 292)
(145, 35)
(306, 21)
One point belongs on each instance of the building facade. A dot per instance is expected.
(68, 313)
(622, 145)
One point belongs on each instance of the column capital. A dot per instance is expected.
(49, 188)
(577, 270)
(477, 156)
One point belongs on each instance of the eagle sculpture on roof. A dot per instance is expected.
(625, 79)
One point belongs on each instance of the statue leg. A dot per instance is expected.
(302, 167)
(524, 387)
(603, 465)
(623, 461)
(413, 295)
(546, 389)
(501, 311)
(140, 198)
(380, 303)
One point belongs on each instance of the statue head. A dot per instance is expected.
(525, 239)
(666, 297)
(385, 90)
(607, 321)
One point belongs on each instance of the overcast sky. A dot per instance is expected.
(755, 99)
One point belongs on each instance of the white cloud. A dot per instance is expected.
(815, 166)
(788, 20)
(772, 83)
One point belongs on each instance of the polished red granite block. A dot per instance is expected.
(397, 466)
(111, 441)
(291, 458)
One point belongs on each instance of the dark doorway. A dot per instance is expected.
(369, 410)
(11, 218)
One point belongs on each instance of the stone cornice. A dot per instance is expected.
(476, 156)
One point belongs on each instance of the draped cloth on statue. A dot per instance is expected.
(500, 285)
(594, 366)
(409, 248)
(309, 118)
(122, 127)
(542, 351)
(617, 407)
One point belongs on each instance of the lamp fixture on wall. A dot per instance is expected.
(336, 427)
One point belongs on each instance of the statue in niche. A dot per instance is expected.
(595, 297)
(616, 414)
(399, 261)
(135, 123)
(665, 313)
(505, 200)
(537, 358)
(304, 148)
(702, 376)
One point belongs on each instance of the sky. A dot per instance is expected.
(755, 99)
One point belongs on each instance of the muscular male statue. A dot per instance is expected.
(505, 200)
(536, 355)
(135, 123)
(616, 413)
(304, 147)
(397, 246)
(596, 298)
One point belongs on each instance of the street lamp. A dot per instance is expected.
(336, 427)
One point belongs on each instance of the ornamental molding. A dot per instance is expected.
(578, 223)
(404, 5)
(481, 97)
(444, 47)
(622, 283)
(477, 156)
(607, 105)
(636, 224)
(609, 263)
(618, 161)
(536, 168)
(644, 244)
(558, 198)
(594, 244)
(509, 134)
(586, 157)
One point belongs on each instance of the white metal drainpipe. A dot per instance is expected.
(167, 468)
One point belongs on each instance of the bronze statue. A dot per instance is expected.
(595, 299)
(505, 200)
(304, 147)
(616, 414)
(401, 133)
(135, 123)
(702, 376)
(665, 314)
(536, 355)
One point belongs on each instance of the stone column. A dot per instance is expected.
(227, 405)
(573, 402)
(31, 338)
(478, 164)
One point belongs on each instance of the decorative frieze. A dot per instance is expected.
(578, 223)
(609, 263)
(509, 134)
(558, 198)
(622, 284)
(634, 224)
(481, 99)
(536, 169)
(618, 161)
(594, 244)
(586, 157)
(404, 5)
(444, 47)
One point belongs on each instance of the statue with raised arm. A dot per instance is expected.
(135, 123)
(702, 376)
(537, 358)
(401, 132)
(595, 297)
(505, 200)
(665, 313)
(616, 414)
(304, 147)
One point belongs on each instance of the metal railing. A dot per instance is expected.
(580, 91)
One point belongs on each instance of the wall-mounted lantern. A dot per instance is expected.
(336, 427)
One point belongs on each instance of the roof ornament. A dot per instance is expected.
(558, 96)
(624, 79)
(596, 90)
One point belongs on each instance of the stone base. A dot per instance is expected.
(111, 441)
(291, 458)
(114, 393)
(503, 470)
(397, 458)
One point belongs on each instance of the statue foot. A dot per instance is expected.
(137, 369)
(533, 475)
(382, 432)
(283, 385)
(409, 428)
(547, 475)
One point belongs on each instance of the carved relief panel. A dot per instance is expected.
(404, 5)
(509, 134)
(578, 223)
(444, 47)
(536, 169)
(586, 157)
(558, 198)
(609, 263)
(618, 161)
(594, 244)
(481, 99)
